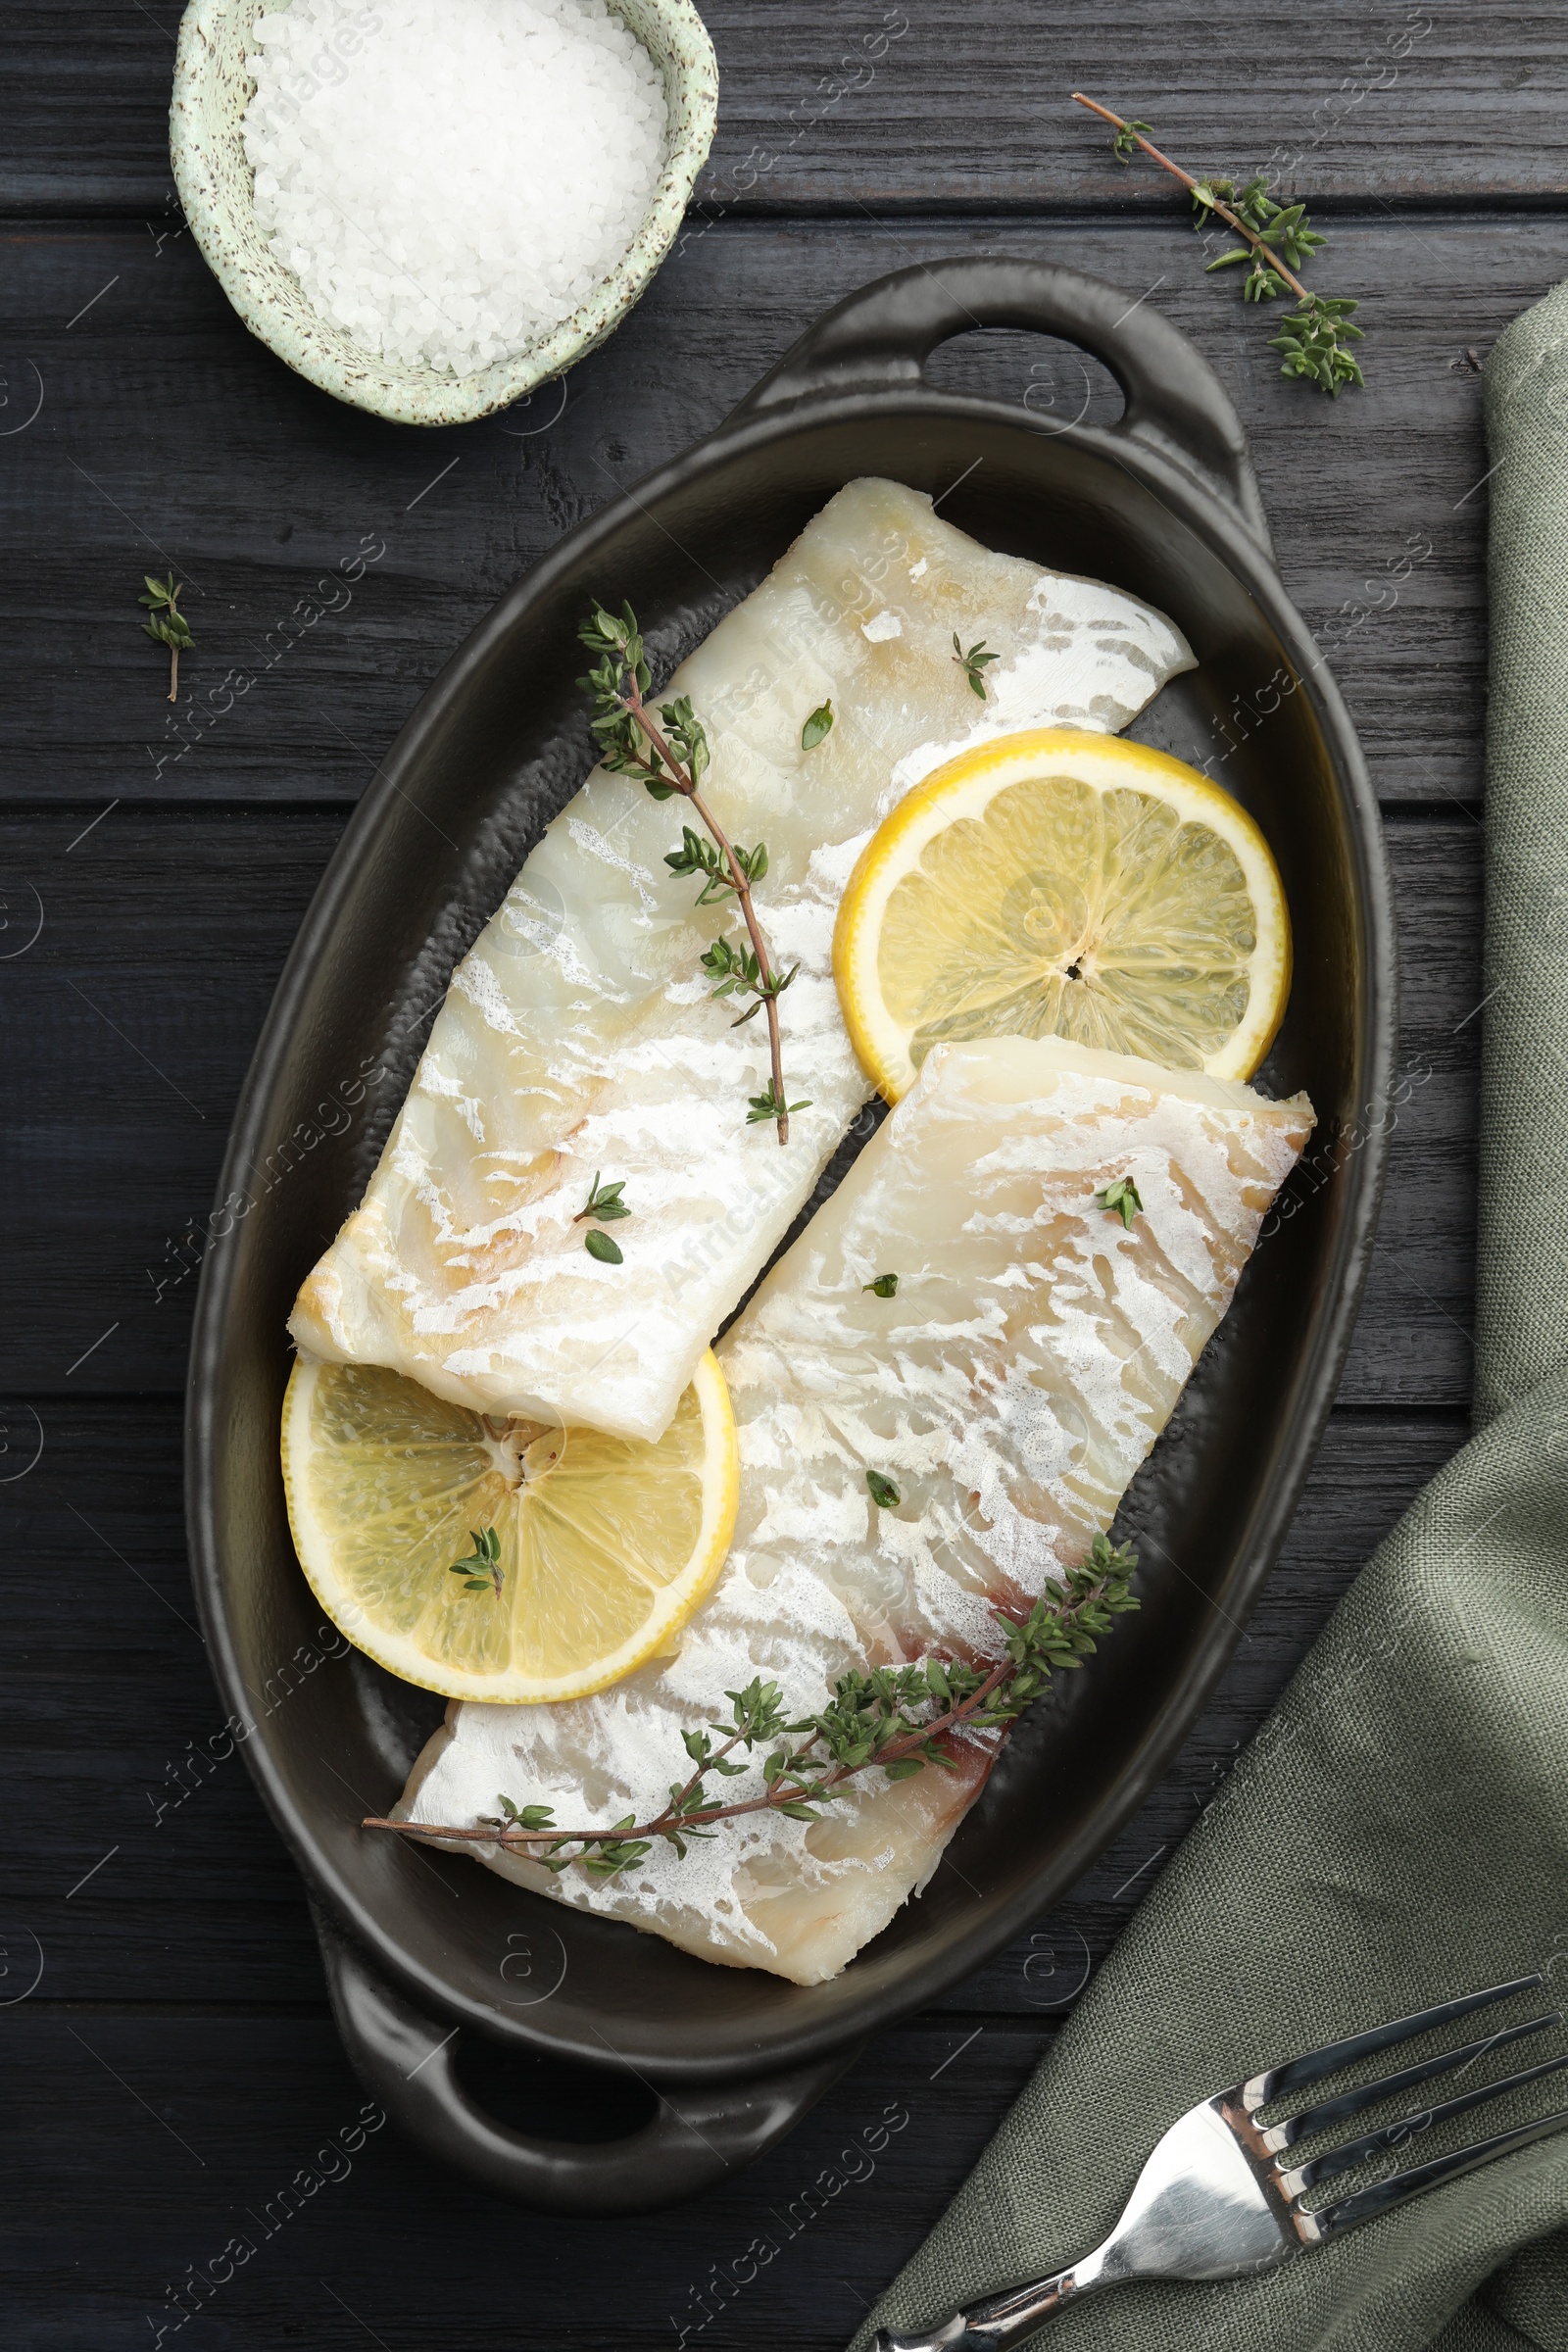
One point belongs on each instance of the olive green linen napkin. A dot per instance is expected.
(1399, 1831)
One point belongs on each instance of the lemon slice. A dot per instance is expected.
(1062, 883)
(602, 1546)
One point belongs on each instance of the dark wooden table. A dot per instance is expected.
(172, 2065)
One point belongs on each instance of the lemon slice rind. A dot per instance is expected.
(573, 1564)
(964, 789)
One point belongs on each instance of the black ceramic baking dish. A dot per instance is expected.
(459, 1995)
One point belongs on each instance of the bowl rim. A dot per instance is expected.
(215, 185)
(808, 2038)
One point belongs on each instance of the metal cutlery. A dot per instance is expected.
(1219, 2195)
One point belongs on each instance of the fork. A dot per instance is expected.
(1218, 2196)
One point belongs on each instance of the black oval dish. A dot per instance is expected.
(444, 1976)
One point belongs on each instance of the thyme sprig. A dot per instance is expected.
(166, 624)
(604, 1203)
(895, 1719)
(973, 664)
(670, 755)
(603, 1206)
(1277, 240)
(482, 1571)
(1121, 1199)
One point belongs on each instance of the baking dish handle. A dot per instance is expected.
(879, 339)
(698, 2138)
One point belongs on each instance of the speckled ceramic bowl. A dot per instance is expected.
(212, 91)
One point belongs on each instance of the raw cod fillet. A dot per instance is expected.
(1031, 1355)
(578, 1036)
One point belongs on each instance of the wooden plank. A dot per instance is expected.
(210, 2117)
(166, 437)
(131, 1018)
(1414, 1342)
(881, 105)
(130, 1023)
(140, 1856)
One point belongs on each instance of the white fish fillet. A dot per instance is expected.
(1031, 1356)
(578, 1036)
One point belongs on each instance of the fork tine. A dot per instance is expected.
(1369, 2094)
(1262, 2089)
(1384, 2195)
(1391, 2136)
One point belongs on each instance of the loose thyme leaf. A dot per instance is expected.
(973, 664)
(884, 1493)
(886, 1286)
(819, 725)
(1120, 1199)
(485, 1558)
(599, 1245)
(167, 625)
(604, 1203)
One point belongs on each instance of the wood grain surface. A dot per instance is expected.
(164, 436)
(846, 103)
(172, 2067)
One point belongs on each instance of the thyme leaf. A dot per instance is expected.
(1312, 339)
(1120, 1199)
(886, 1286)
(166, 624)
(1126, 140)
(481, 1571)
(973, 664)
(739, 972)
(772, 1106)
(604, 1203)
(817, 726)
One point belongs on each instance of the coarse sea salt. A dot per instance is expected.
(450, 179)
